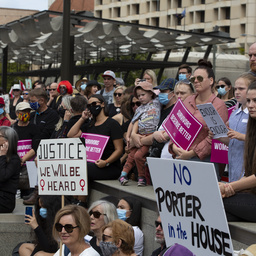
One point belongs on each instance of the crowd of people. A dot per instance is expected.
(132, 117)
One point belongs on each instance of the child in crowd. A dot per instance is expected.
(144, 122)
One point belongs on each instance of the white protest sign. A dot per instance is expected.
(6, 102)
(62, 168)
(190, 206)
(32, 173)
(213, 120)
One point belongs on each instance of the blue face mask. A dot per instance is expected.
(34, 105)
(121, 214)
(222, 91)
(1, 111)
(83, 86)
(163, 98)
(182, 77)
(43, 212)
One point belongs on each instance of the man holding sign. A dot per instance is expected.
(203, 81)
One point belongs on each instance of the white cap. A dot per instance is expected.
(16, 87)
(109, 73)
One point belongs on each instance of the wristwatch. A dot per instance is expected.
(107, 163)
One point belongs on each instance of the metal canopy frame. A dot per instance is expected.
(37, 40)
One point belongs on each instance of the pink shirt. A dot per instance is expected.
(202, 143)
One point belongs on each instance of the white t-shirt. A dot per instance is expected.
(87, 252)
(139, 241)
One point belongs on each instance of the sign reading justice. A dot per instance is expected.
(191, 211)
(62, 168)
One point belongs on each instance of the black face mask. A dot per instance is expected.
(61, 112)
(95, 110)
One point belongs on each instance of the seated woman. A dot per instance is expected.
(129, 210)
(117, 239)
(108, 167)
(42, 223)
(72, 224)
(10, 166)
(239, 197)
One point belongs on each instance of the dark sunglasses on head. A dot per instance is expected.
(199, 79)
(137, 103)
(104, 237)
(118, 94)
(96, 214)
(93, 104)
(68, 227)
(218, 86)
(157, 223)
(187, 82)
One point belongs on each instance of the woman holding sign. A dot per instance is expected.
(108, 166)
(240, 196)
(203, 81)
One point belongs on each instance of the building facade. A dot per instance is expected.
(236, 17)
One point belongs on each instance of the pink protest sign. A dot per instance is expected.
(182, 126)
(219, 153)
(23, 147)
(95, 145)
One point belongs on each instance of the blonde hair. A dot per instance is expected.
(81, 217)
(152, 74)
(124, 231)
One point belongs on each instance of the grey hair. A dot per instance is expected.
(108, 208)
(12, 137)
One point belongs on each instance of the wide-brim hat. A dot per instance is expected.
(146, 86)
(78, 82)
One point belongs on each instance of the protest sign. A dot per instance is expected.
(213, 120)
(182, 126)
(6, 102)
(28, 83)
(32, 173)
(24, 147)
(95, 145)
(190, 206)
(62, 168)
(219, 152)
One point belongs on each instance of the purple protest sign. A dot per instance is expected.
(95, 145)
(182, 126)
(23, 147)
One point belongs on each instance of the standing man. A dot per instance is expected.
(184, 72)
(159, 237)
(252, 59)
(45, 118)
(109, 82)
(55, 99)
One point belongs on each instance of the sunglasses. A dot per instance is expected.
(54, 89)
(118, 94)
(157, 223)
(104, 237)
(250, 55)
(93, 104)
(199, 79)
(25, 93)
(96, 214)
(68, 227)
(187, 82)
(2, 105)
(16, 90)
(62, 87)
(137, 103)
(220, 86)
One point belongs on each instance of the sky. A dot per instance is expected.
(25, 4)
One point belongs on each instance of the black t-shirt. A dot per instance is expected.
(56, 102)
(46, 122)
(164, 113)
(12, 108)
(93, 243)
(109, 128)
(112, 110)
(31, 131)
